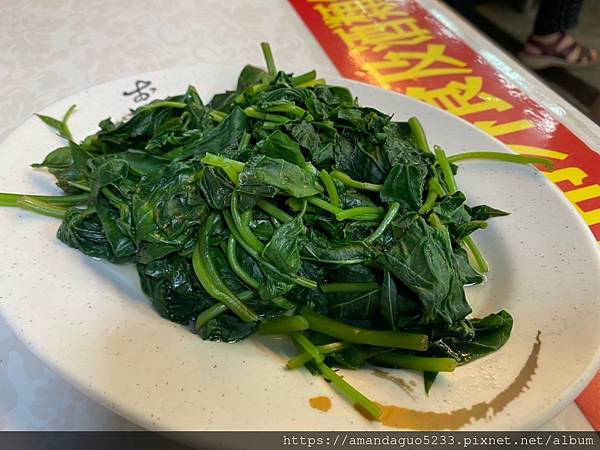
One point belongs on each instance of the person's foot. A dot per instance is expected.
(557, 50)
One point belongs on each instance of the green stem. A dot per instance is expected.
(419, 134)
(304, 357)
(422, 363)
(433, 192)
(313, 83)
(304, 78)
(348, 333)
(368, 211)
(389, 217)
(293, 110)
(257, 88)
(329, 288)
(452, 188)
(252, 112)
(244, 141)
(444, 164)
(266, 49)
(361, 402)
(505, 157)
(301, 281)
(209, 277)
(274, 211)
(477, 255)
(271, 126)
(356, 184)
(40, 207)
(235, 264)
(165, 104)
(246, 277)
(320, 203)
(332, 193)
(83, 187)
(217, 116)
(283, 325)
(339, 262)
(242, 225)
(7, 199)
(208, 314)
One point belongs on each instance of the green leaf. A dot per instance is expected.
(280, 174)
(422, 259)
(491, 333)
(282, 249)
(405, 184)
(279, 146)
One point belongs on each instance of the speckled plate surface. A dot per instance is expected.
(89, 320)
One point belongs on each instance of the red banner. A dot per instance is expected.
(400, 46)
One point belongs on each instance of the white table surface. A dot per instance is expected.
(52, 48)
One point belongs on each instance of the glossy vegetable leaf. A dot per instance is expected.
(279, 146)
(280, 174)
(282, 249)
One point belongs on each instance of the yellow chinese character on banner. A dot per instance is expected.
(350, 12)
(399, 66)
(381, 36)
(493, 128)
(460, 98)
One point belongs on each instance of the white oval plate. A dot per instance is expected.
(89, 320)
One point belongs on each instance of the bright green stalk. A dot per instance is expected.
(209, 277)
(359, 400)
(313, 83)
(293, 110)
(477, 255)
(283, 325)
(362, 403)
(332, 193)
(422, 363)
(7, 199)
(235, 264)
(266, 48)
(505, 157)
(208, 314)
(301, 281)
(165, 104)
(251, 111)
(433, 192)
(247, 235)
(304, 78)
(40, 207)
(452, 188)
(348, 333)
(274, 211)
(419, 134)
(359, 211)
(217, 116)
(320, 203)
(356, 184)
(304, 357)
(329, 288)
(246, 277)
(389, 217)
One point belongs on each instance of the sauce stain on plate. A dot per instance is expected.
(322, 403)
(399, 417)
(400, 382)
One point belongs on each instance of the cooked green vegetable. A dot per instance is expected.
(285, 207)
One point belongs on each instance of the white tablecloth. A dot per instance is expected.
(52, 48)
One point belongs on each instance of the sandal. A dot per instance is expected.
(564, 51)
